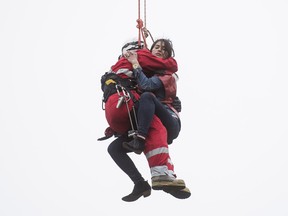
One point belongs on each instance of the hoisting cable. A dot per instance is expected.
(142, 32)
(146, 31)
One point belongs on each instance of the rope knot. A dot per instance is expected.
(140, 23)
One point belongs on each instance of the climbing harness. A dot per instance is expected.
(125, 97)
(111, 83)
(108, 82)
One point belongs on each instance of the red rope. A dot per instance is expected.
(140, 27)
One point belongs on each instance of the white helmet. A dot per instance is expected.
(134, 45)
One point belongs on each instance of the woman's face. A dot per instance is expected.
(159, 50)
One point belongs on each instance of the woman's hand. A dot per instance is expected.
(132, 57)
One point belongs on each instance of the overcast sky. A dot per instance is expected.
(232, 149)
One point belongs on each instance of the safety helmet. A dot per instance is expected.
(134, 45)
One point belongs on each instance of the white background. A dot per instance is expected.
(232, 150)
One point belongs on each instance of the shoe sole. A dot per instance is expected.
(124, 144)
(179, 194)
(168, 185)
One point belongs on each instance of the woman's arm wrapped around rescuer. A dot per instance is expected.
(148, 62)
(151, 63)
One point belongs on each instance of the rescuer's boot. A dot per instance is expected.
(180, 194)
(167, 182)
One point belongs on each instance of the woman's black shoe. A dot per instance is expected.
(136, 145)
(140, 189)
